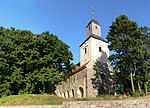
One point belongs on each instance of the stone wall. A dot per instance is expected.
(79, 85)
(125, 103)
(137, 103)
(87, 82)
(75, 86)
(91, 91)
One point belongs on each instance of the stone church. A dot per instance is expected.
(81, 84)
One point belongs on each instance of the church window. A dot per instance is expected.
(89, 28)
(85, 50)
(100, 49)
(96, 27)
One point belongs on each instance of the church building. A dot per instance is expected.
(81, 83)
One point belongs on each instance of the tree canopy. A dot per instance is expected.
(131, 57)
(31, 63)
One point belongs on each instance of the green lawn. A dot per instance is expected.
(31, 99)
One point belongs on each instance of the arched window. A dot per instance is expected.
(72, 93)
(80, 92)
(67, 94)
(63, 95)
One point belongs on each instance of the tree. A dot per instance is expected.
(31, 63)
(127, 42)
(103, 80)
(144, 61)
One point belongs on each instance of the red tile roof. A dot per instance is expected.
(78, 67)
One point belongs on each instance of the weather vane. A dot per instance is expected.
(92, 12)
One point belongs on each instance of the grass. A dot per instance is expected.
(31, 99)
(45, 99)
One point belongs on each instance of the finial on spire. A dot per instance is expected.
(92, 12)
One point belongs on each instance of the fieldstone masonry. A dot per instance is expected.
(74, 86)
(125, 103)
(82, 84)
(78, 85)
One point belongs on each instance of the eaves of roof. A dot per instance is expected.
(94, 36)
(81, 68)
(94, 21)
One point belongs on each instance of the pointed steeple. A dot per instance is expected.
(93, 27)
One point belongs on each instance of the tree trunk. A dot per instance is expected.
(132, 84)
(145, 87)
(139, 87)
(145, 84)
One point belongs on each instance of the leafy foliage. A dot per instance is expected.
(31, 63)
(131, 57)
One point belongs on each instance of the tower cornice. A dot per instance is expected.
(94, 36)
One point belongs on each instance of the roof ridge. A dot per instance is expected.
(94, 21)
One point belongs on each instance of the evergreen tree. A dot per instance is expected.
(144, 60)
(128, 44)
(103, 80)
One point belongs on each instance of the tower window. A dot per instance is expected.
(96, 27)
(85, 50)
(100, 49)
(89, 28)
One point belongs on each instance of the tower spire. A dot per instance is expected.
(92, 12)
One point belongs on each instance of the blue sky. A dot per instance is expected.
(68, 18)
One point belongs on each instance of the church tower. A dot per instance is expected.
(84, 82)
(94, 28)
(94, 46)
